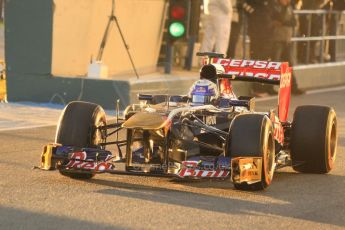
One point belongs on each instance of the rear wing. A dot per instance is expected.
(255, 71)
(277, 73)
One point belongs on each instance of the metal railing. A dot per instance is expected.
(329, 22)
(327, 34)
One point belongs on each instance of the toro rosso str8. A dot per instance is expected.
(208, 133)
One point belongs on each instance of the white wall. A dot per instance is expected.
(78, 30)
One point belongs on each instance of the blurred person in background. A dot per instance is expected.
(260, 34)
(297, 4)
(257, 12)
(236, 24)
(217, 26)
(283, 23)
(2, 6)
(339, 5)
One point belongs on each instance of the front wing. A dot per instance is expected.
(94, 161)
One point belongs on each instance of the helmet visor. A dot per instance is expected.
(201, 99)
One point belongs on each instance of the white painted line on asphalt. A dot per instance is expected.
(168, 79)
(26, 127)
(318, 65)
(334, 89)
(309, 92)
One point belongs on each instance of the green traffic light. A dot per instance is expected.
(176, 29)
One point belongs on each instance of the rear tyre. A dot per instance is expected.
(314, 139)
(77, 127)
(251, 135)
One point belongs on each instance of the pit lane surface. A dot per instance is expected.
(34, 199)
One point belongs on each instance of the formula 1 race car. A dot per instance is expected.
(208, 133)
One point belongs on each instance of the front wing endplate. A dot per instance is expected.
(246, 169)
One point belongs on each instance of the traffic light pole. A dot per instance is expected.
(195, 11)
(190, 51)
(169, 57)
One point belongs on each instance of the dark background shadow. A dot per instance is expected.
(12, 218)
(302, 196)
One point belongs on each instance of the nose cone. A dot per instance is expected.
(146, 121)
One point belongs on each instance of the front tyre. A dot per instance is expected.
(314, 139)
(78, 127)
(251, 135)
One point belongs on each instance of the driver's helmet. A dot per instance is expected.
(203, 92)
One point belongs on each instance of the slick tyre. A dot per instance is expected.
(251, 135)
(77, 127)
(314, 139)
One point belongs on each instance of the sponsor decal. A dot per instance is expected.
(189, 169)
(248, 63)
(285, 80)
(250, 68)
(78, 161)
(200, 89)
(278, 132)
(267, 76)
